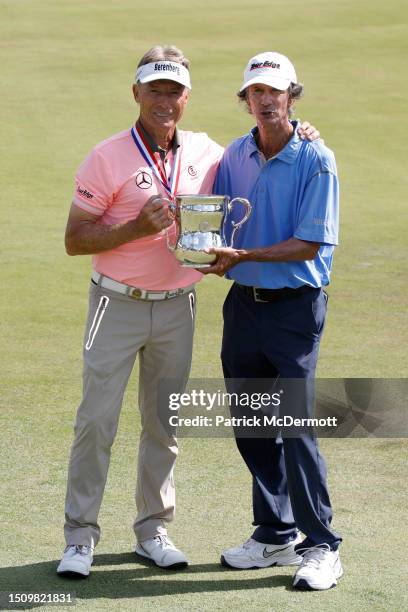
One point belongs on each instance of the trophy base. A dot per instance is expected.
(195, 265)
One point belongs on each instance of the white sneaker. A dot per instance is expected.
(253, 554)
(76, 561)
(320, 569)
(162, 551)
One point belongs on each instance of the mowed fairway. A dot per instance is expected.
(66, 72)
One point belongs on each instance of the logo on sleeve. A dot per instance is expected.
(143, 180)
(85, 193)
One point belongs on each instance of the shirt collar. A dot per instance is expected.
(289, 152)
(154, 146)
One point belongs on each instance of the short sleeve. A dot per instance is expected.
(318, 217)
(94, 184)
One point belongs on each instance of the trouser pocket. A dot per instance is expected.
(192, 301)
(93, 330)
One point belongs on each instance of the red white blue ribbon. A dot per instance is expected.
(170, 184)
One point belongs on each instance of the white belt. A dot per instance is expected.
(134, 292)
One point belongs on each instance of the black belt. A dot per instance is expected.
(273, 295)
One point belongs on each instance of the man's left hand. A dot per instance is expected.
(226, 258)
(308, 132)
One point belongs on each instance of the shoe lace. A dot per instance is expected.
(248, 544)
(82, 549)
(164, 541)
(314, 555)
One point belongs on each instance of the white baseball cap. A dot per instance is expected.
(270, 68)
(172, 71)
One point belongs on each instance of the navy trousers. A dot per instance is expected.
(265, 340)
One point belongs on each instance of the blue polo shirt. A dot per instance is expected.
(293, 194)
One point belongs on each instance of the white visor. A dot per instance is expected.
(171, 71)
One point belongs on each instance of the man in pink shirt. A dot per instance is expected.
(142, 301)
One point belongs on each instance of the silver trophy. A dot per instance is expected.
(200, 222)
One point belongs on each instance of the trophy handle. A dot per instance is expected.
(237, 225)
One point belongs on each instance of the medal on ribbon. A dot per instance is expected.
(170, 184)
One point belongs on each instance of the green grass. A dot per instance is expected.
(66, 73)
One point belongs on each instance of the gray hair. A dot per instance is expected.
(161, 53)
(295, 91)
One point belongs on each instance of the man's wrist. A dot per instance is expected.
(133, 227)
(243, 255)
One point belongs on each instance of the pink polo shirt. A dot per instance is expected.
(114, 182)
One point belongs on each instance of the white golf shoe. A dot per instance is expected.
(76, 561)
(162, 551)
(320, 569)
(253, 554)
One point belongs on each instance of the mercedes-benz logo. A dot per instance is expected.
(143, 180)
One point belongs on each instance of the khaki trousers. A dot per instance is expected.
(118, 328)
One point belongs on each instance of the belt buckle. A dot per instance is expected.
(135, 294)
(256, 297)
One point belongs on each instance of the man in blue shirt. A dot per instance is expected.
(274, 316)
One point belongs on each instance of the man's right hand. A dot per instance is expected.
(153, 217)
(86, 235)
